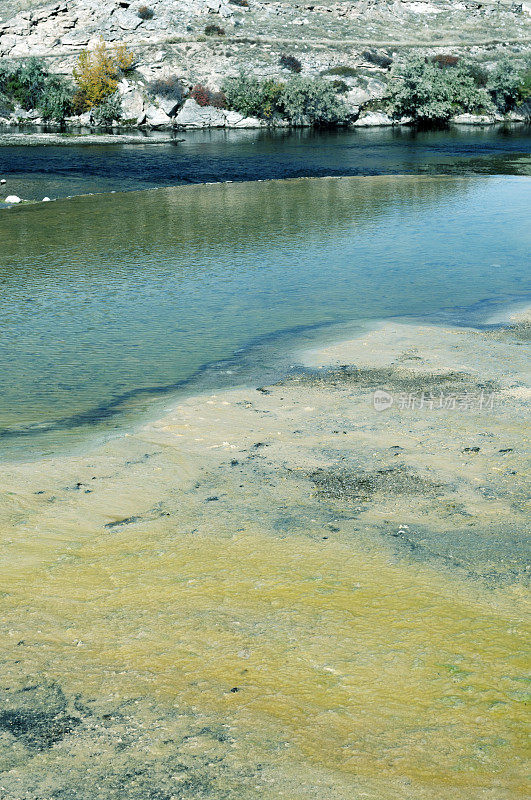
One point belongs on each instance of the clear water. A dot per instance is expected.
(110, 300)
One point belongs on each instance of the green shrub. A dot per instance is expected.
(23, 83)
(431, 95)
(57, 99)
(253, 97)
(478, 73)
(6, 106)
(525, 85)
(505, 86)
(342, 71)
(108, 110)
(299, 99)
(312, 100)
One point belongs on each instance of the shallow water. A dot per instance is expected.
(109, 301)
(214, 627)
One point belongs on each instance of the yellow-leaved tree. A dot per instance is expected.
(98, 72)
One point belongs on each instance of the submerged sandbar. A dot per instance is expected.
(282, 591)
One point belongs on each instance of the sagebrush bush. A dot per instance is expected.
(23, 83)
(342, 71)
(430, 95)
(98, 72)
(144, 12)
(204, 96)
(214, 30)
(290, 62)
(58, 99)
(505, 84)
(312, 100)
(170, 87)
(340, 86)
(253, 97)
(108, 111)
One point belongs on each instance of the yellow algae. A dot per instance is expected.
(236, 591)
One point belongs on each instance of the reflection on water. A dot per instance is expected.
(105, 296)
(218, 155)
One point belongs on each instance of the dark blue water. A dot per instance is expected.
(203, 156)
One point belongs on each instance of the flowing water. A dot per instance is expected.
(202, 156)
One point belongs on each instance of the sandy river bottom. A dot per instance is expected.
(281, 591)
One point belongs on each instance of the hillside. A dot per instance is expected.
(356, 39)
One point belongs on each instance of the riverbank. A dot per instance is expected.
(306, 589)
(75, 133)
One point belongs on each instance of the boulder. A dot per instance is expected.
(357, 96)
(516, 116)
(193, 115)
(244, 122)
(126, 20)
(169, 105)
(132, 103)
(473, 119)
(373, 119)
(155, 117)
(12, 198)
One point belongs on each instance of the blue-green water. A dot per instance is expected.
(110, 300)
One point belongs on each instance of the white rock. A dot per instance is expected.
(169, 105)
(233, 118)
(357, 96)
(249, 122)
(473, 119)
(193, 115)
(126, 20)
(515, 116)
(3, 181)
(12, 198)
(132, 104)
(45, 199)
(156, 117)
(373, 119)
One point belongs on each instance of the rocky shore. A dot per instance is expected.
(352, 42)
